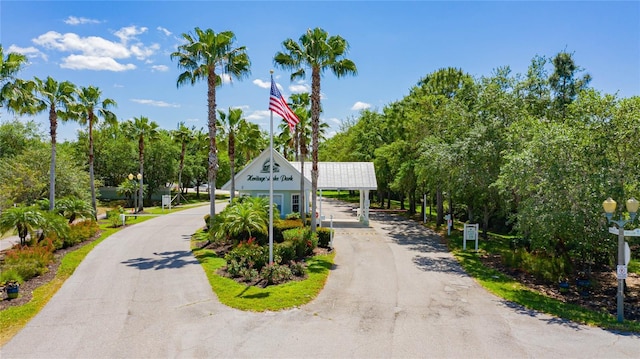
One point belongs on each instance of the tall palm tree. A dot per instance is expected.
(88, 109)
(251, 140)
(231, 125)
(317, 51)
(183, 135)
(57, 97)
(300, 105)
(9, 67)
(207, 55)
(140, 128)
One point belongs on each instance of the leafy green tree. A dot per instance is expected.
(183, 135)
(251, 141)
(208, 56)
(87, 111)
(141, 129)
(318, 52)
(160, 163)
(23, 180)
(564, 81)
(16, 136)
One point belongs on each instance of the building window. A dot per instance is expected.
(295, 203)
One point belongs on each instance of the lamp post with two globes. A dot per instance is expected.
(609, 207)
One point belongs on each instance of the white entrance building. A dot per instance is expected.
(253, 180)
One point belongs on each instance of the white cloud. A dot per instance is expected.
(226, 78)
(360, 106)
(90, 46)
(130, 32)
(30, 51)
(141, 52)
(334, 120)
(262, 84)
(118, 86)
(72, 20)
(258, 115)
(91, 52)
(192, 120)
(97, 63)
(164, 30)
(300, 88)
(161, 68)
(154, 103)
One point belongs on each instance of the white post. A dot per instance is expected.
(424, 207)
(271, 189)
(331, 233)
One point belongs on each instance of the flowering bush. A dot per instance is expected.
(276, 273)
(246, 255)
(29, 262)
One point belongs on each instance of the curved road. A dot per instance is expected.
(395, 292)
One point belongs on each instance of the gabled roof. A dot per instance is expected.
(342, 175)
(331, 175)
(254, 176)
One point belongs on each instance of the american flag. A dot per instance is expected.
(278, 105)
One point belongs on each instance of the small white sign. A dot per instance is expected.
(622, 271)
(166, 201)
(470, 234)
(633, 233)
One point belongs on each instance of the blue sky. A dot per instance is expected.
(123, 48)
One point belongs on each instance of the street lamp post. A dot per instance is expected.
(609, 207)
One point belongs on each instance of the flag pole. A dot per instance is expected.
(271, 184)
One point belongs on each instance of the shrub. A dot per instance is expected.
(298, 269)
(285, 251)
(276, 273)
(279, 227)
(324, 236)
(80, 232)
(10, 275)
(246, 255)
(292, 215)
(29, 262)
(113, 216)
(304, 241)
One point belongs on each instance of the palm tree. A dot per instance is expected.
(183, 135)
(317, 51)
(140, 128)
(231, 125)
(88, 110)
(202, 56)
(251, 140)
(26, 220)
(300, 105)
(57, 97)
(9, 88)
(74, 208)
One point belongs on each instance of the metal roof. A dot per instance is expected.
(342, 175)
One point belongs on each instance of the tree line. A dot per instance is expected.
(532, 154)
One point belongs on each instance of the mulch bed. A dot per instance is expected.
(601, 295)
(27, 288)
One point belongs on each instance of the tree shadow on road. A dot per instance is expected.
(168, 260)
(409, 233)
(438, 264)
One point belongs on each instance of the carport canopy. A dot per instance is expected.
(340, 176)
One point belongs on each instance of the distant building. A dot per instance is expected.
(253, 181)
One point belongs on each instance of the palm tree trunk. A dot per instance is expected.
(141, 192)
(184, 148)
(53, 121)
(301, 202)
(91, 174)
(315, 121)
(213, 148)
(232, 164)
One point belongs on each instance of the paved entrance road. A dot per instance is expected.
(394, 293)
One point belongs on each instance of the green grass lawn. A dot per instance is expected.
(512, 290)
(272, 298)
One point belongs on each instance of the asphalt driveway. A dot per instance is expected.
(395, 292)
